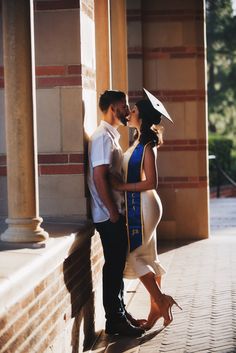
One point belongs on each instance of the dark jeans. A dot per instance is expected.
(114, 242)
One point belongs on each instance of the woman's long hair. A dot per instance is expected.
(150, 133)
(150, 130)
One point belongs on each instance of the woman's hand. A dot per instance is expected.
(115, 182)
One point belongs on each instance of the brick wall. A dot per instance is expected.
(62, 313)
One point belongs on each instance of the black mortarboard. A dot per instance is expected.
(157, 106)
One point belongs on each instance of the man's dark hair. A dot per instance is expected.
(110, 97)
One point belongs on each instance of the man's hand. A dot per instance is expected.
(100, 176)
(114, 217)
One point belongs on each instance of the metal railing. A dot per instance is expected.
(220, 172)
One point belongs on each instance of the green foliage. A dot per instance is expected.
(221, 53)
(233, 165)
(221, 147)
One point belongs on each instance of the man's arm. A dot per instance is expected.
(100, 177)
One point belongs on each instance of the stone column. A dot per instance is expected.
(21, 142)
(101, 12)
(119, 61)
(102, 45)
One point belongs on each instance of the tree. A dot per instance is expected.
(221, 55)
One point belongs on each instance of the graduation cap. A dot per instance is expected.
(157, 105)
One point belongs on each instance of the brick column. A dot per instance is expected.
(19, 74)
(174, 70)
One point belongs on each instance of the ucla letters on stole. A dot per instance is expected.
(133, 199)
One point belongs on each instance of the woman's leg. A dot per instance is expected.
(154, 313)
(150, 283)
(163, 301)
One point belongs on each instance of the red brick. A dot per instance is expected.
(3, 171)
(50, 70)
(74, 69)
(175, 178)
(176, 142)
(76, 158)
(58, 81)
(203, 178)
(185, 148)
(52, 158)
(193, 179)
(135, 55)
(186, 55)
(57, 4)
(151, 55)
(39, 288)
(61, 169)
(166, 148)
(181, 185)
(3, 322)
(3, 160)
(16, 343)
(47, 341)
(27, 300)
(20, 322)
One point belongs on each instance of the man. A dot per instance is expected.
(105, 157)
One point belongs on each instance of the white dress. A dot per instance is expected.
(144, 259)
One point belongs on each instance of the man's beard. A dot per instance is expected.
(123, 120)
(122, 117)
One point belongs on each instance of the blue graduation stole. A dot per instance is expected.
(133, 199)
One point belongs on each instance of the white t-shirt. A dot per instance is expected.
(104, 148)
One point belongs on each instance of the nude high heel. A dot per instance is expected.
(153, 316)
(166, 309)
(148, 325)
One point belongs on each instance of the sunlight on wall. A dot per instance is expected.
(90, 112)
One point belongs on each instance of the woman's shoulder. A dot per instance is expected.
(149, 150)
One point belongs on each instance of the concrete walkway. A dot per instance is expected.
(201, 276)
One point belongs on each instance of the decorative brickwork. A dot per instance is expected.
(169, 15)
(61, 75)
(182, 182)
(51, 164)
(43, 5)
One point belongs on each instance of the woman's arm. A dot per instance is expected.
(149, 167)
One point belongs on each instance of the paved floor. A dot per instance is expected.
(201, 276)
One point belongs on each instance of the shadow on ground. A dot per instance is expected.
(118, 344)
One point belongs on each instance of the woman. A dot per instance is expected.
(143, 206)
